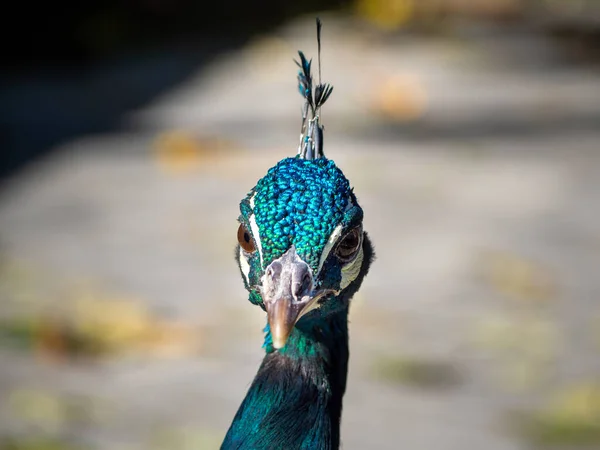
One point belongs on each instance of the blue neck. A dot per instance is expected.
(295, 400)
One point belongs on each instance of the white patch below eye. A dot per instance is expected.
(244, 266)
(333, 238)
(351, 270)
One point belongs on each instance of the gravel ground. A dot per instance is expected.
(476, 161)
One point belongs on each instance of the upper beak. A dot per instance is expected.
(287, 289)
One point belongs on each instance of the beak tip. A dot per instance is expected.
(279, 342)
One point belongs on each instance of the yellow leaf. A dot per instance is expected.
(178, 152)
(172, 340)
(38, 408)
(577, 403)
(401, 98)
(386, 14)
(115, 324)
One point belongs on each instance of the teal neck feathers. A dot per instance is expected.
(295, 401)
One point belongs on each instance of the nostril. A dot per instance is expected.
(273, 270)
(306, 281)
(302, 286)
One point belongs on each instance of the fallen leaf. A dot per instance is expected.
(570, 417)
(386, 14)
(41, 409)
(180, 152)
(399, 98)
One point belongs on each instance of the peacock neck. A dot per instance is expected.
(295, 400)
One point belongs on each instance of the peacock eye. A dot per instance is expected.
(245, 239)
(348, 247)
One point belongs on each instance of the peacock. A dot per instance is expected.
(302, 253)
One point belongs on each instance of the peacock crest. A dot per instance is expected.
(311, 132)
(302, 254)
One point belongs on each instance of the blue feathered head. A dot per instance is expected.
(300, 235)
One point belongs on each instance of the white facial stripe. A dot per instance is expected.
(254, 229)
(351, 270)
(256, 235)
(245, 266)
(333, 238)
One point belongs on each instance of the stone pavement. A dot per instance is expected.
(476, 161)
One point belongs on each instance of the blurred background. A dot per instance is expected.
(131, 130)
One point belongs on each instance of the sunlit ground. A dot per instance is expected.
(124, 322)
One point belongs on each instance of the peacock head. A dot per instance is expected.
(302, 251)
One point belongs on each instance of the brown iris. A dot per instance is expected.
(245, 239)
(349, 245)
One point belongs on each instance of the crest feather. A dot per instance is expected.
(311, 132)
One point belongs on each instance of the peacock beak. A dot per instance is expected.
(287, 288)
(282, 317)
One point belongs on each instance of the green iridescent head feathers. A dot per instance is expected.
(304, 202)
(300, 202)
